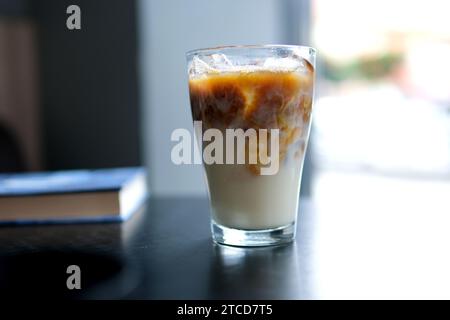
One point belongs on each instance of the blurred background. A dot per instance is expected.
(111, 93)
(68, 99)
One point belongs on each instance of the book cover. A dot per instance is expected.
(72, 196)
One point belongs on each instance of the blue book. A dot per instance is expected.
(72, 196)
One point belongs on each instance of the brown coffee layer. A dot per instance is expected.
(258, 100)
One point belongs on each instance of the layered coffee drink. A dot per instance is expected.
(272, 94)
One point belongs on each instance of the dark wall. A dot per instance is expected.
(89, 84)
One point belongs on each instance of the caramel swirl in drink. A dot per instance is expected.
(255, 99)
(241, 198)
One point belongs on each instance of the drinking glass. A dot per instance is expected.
(251, 107)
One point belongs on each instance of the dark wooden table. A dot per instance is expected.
(164, 252)
(378, 239)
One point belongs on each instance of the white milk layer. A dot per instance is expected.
(243, 200)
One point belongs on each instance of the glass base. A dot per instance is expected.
(252, 238)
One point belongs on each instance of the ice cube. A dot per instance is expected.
(198, 67)
(287, 64)
(221, 62)
(210, 64)
(280, 64)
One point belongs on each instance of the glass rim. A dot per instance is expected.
(312, 51)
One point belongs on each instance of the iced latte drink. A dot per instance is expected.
(254, 88)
